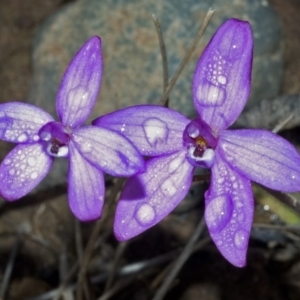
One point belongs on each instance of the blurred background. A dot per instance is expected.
(42, 243)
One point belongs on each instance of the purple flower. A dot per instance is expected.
(90, 150)
(221, 86)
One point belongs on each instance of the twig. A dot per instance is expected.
(9, 267)
(90, 245)
(180, 261)
(201, 178)
(57, 293)
(283, 123)
(164, 58)
(160, 277)
(120, 250)
(187, 56)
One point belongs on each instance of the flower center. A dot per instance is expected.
(56, 138)
(200, 143)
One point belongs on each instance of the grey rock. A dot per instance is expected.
(132, 61)
(268, 114)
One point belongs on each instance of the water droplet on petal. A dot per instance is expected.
(218, 213)
(210, 95)
(156, 131)
(145, 214)
(241, 239)
(31, 161)
(222, 79)
(168, 188)
(7, 161)
(22, 138)
(34, 175)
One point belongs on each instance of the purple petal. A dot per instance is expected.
(20, 122)
(22, 170)
(154, 130)
(147, 198)
(221, 83)
(263, 157)
(85, 187)
(80, 85)
(229, 212)
(108, 150)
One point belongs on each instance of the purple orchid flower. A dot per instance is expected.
(221, 86)
(90, 150)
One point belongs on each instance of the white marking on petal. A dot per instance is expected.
(156, 131)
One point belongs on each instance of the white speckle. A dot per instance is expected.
(34, 175)
(168, 188)
(193, 131)
(7, 161)
(220, 180)
(175, 163)
(241, 217)
(22, 138)
(36, 137)
(222, 79)
(46, 136)
(31, 161)
(145, 215)
(209, 94)
(218, 213)
(12, 172)
(77, 97)
(240, 239)
(156, 131)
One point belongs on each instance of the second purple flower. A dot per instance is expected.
(221, 86)
(89, 149)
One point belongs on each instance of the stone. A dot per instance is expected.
(132, 61)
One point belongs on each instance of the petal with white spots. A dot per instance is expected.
(149, 197)
(85, 187)
(108, 150)
(80, 85)
(20, 122)
(22, 170)
(229, 212)
(153, 129)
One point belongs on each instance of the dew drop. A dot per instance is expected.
(22, 138)
(34, 175)
(168, 188)
(7, 161)
(31, 161)
(209, 94)
(240, 239)
(12, 172)
(145, 214)
(156, 131)
(222, 79)
(218, 213)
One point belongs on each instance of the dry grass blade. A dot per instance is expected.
(90, 245)
(281, 125)
(9, 267)
(180, 261)
(164, 58)
(187, 56)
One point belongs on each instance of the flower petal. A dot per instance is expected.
(221, 82)
(80, 85)
(22, 170)
(20, 122)
(229, 212)
(85, 187)
(154, 130)
(263, 157)
(149, 197)
(108, 150)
